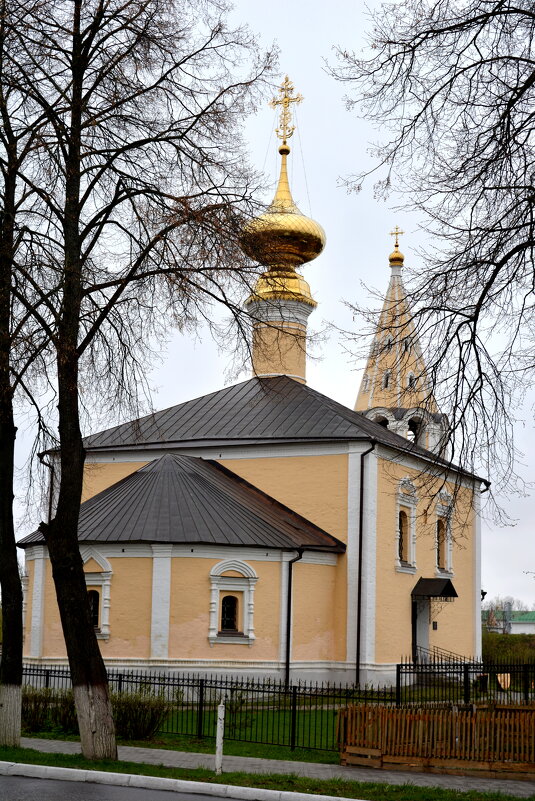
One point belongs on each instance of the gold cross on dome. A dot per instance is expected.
(397, 232)
(285, 129)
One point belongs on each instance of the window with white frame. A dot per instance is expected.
(407, 501)
(99, 589)
(443, 537)
(93, 597)
(232, 585)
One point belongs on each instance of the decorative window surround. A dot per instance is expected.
(102, 580)
(443, 512)
(407, 501)
(244, 583)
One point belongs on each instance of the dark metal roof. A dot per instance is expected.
(184, 499)
(257, 410)
(434, 588)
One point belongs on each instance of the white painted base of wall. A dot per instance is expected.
(333, 672)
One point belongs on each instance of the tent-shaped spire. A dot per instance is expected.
(395, 388)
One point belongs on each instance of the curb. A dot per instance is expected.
(156, 783)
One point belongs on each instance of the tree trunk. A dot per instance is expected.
(88, 673)
(10, 584)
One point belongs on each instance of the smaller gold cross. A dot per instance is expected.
(397, 233)
(285, 129)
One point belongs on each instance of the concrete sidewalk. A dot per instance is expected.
(183, 759)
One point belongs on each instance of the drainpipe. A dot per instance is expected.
(50, 466)
(289, 615)
(359, 580)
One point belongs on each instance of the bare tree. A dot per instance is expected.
(139, 190)
(454, 83)
(19, 129)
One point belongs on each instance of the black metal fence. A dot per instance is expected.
(266, 711)
(304, 714)
(440, 680)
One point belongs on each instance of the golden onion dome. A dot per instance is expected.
(282, 285)
(283, 238)
(396, 258)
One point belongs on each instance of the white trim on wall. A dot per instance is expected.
(283, 622)
(352, 550)
(477, 573)
(369, 560)
(147, 453)
(161, 601)
(39, 555)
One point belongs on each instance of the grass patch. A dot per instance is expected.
(336, 787)
(177, 742)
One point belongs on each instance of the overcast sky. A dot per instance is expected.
(333, 143)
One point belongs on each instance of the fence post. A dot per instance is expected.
(293, 721)
(466, 683)
(525, 677)
(47, 679)
(200, 710)
(398, 685)
(119, 682)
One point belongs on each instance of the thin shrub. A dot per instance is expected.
(36, 703)
(139, 715)
(63, 712)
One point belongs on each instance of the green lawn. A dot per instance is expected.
(335, 787)
(315, 728)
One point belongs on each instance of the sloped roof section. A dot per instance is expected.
(184, 499)
(260, 409)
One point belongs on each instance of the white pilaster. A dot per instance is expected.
(369, 561)
(283, 609)
(352, 551)
(161, 601)
(477, 573)
(38, 601)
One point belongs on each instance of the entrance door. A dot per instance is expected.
(420, 627)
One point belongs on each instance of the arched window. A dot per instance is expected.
(441, 545)
(386, 379)
(415, 430)
(229, 613)
(232, 603)
(403, 537)
(365, 382)
(388, 344)
(411, 381)
(94, 605)
(407, 345)
(383, 421)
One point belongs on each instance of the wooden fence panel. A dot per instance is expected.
(482, 735)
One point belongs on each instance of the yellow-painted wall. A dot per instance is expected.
(30, 572)
(314, 614)
(53, 642)
(280, 350)
(99, 476)
(393, 589)
(130, 609)
(314, 486)
(189, 615)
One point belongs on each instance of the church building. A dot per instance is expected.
(267, 530)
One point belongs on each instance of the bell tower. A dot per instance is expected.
(395, 389)
(282, 240)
